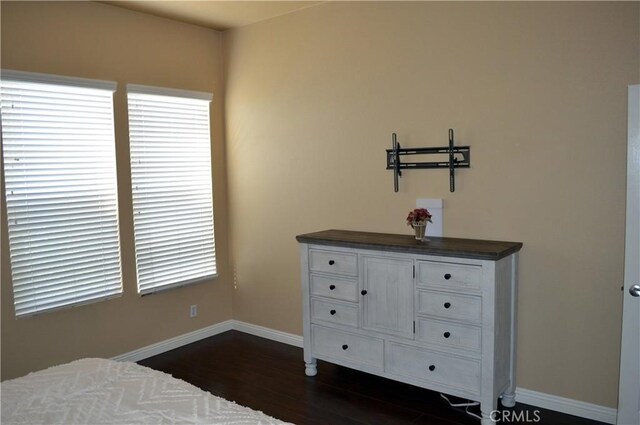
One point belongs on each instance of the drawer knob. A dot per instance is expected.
(446, 334)
(331, 262)
(344, 347)
(432, 368)
(363, 292)
(447, 305)
(332, 287)
(332, 312)
(447, 276)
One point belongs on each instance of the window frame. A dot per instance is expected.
(136, 89)
(111, 290)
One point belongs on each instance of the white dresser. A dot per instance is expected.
(439, 314)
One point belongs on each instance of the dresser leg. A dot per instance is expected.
(488, 418)
(509, 399)
(311, 368)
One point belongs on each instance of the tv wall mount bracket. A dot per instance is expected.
(459, 157)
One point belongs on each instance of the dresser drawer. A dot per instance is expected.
(448, 334)
(450, 306)
(337, 262)
(448, 275)
(334, 312)
(417, 363)
(334, 287)
(350, 349)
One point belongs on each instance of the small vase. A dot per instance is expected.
(421, 230)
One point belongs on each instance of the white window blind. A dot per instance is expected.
(171, 179)
(60, 182)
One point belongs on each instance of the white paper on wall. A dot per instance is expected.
(435, 208)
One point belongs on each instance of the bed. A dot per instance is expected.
(98, 391)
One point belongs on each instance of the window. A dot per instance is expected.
(171, 185)
(60, 182)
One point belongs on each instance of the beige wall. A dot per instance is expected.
(104, 42)
(539, 92)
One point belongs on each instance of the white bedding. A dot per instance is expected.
(98, 391)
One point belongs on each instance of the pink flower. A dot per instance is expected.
(418, 216)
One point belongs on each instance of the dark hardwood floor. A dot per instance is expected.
(269, 376)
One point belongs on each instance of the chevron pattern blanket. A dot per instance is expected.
(98, 391)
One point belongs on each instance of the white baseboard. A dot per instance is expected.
(284, 337)
(523, 395)
(567, 405)
(172, 343)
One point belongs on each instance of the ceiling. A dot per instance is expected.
(218, 15)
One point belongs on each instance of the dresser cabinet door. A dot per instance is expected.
(387, 295)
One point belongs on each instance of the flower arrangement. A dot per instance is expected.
(418, 216)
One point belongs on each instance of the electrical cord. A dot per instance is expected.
(465, 405)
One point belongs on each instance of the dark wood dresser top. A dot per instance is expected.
(446, 247)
